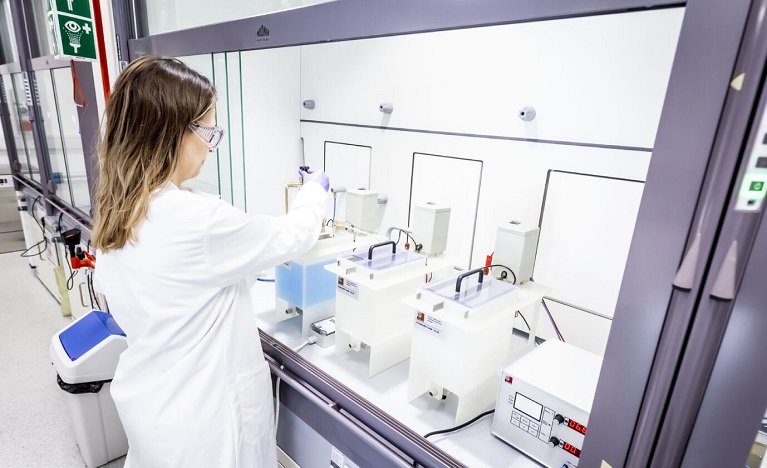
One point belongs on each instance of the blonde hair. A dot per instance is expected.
(148, 113)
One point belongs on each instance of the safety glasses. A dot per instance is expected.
(212, 136)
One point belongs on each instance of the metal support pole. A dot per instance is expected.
(10, 143)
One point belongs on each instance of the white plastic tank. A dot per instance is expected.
(369, 310)
(463, 336)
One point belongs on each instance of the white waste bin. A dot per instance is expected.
(85, 356)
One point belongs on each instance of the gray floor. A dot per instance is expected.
(11, 241)
(35, 428)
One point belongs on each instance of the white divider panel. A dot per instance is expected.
(453, 182)
(586, 230)
(598, 79)
(224, 151)
(208, 179)
(234, 134)
(347, 166)
(271, 95)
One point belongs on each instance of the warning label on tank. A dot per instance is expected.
(350, 288)
(430, 324)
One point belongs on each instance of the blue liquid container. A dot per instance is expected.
(304, 282)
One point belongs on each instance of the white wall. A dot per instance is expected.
(600, 79)
(597, 81)
(597, 84)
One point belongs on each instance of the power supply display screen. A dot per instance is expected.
(571, 449)
(528, 406)
(576, 426)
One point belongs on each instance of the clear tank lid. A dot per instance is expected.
(384, 259)
(473, 294)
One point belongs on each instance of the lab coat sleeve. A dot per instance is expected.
(238, 245)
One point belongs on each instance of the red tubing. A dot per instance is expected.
(102, 49)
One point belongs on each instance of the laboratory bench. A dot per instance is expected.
(474, 445)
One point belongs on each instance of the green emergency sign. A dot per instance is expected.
(70, 24)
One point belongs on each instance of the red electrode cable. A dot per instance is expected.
(488, 262)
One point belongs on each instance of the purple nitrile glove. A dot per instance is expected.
(310, 175)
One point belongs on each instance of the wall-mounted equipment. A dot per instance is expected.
(527, 114)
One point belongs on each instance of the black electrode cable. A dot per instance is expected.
(91, 290)
(504, 266)
(523, 318)
(453, 429)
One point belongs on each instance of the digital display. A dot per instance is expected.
(528, 406)
(571, 449)
(576, 426)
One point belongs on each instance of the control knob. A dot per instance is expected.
(559, 419)
(554, 442)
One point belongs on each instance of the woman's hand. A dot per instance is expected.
(310, 175)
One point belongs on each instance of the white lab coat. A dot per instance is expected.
(193, 388)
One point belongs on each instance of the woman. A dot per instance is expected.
(193, 388)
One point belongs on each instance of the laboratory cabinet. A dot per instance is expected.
(623, 137)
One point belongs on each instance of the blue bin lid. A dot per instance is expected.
(86, 333)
